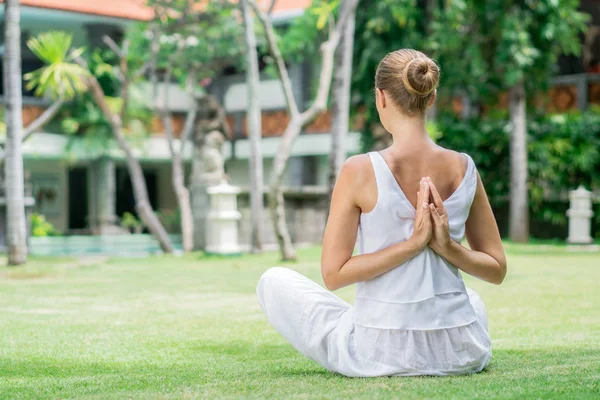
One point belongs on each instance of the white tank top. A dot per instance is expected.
(426, 292)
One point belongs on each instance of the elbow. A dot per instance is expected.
(330, 283)
(499, 278)
(330, 280)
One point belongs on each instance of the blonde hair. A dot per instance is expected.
(410, 78)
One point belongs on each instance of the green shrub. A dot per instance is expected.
(564, 152)
(131, 223)
(41, 227)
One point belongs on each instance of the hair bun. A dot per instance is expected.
(420, 76)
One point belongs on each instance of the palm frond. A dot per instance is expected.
(60, 76)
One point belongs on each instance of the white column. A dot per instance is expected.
(580, 215)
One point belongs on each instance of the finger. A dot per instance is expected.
(420, 199)
(424, 191)
(426, 214)
(437, 199)
(437, 218)
(422, 184)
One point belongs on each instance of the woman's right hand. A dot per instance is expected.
(423, 227)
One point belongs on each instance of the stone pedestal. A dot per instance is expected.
(222, 220)
(580, 215)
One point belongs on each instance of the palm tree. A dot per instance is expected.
(16, 232)
(60, 80)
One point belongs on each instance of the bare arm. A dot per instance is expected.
(486, 259)
(338, 267)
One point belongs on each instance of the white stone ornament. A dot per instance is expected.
(222, 220)
(580, 215)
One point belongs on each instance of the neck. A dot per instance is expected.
(409, 134)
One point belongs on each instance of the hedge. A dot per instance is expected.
(564, 152)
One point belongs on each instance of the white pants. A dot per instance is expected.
(319, 325)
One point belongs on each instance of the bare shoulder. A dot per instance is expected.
(358, 177)
(358, 167)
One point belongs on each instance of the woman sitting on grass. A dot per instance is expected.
(410, 206)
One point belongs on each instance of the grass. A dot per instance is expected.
(190, 327)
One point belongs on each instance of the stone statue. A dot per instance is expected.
(213, 162)
(210, 133)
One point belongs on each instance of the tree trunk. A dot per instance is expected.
(142, 203)
(178, 175)
(297, 119)
(519, 208)
(254, 131)
(16, 234)
(276, 199)
(184, 202)
(340, 100)
(138, 182)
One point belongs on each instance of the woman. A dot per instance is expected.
(410, 206)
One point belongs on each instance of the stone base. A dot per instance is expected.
(579, 240)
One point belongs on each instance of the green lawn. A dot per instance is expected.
(191, 327)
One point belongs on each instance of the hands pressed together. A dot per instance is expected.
(431, 219)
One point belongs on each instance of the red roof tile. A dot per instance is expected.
(128, 9)
(136, 9)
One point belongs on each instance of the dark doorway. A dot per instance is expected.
(78, 199)
(125, 198)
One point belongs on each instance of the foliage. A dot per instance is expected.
(131, 223)
(482, 47)
(486, 47)
(191, 327)
(564, 152)
(299, 40)
(41, 227)
(60, 77)
(193, 37)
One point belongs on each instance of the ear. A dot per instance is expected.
(432, 100)
(380, 97)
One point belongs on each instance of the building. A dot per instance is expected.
(65, 174)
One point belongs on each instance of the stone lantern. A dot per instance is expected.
(222, 220)
(580, 215)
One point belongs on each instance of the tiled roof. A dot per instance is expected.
(129, 9)
(136, 9)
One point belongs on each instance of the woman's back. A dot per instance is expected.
(426, 292)
(409, 208)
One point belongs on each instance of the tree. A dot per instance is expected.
(185, 42)
(254, 130)
(59, 84)
(114, 110)
(298, 119)
(340, 100)
(507, 46)
(14, 187)
(486, 49)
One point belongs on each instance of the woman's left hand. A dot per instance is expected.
(440, 238)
